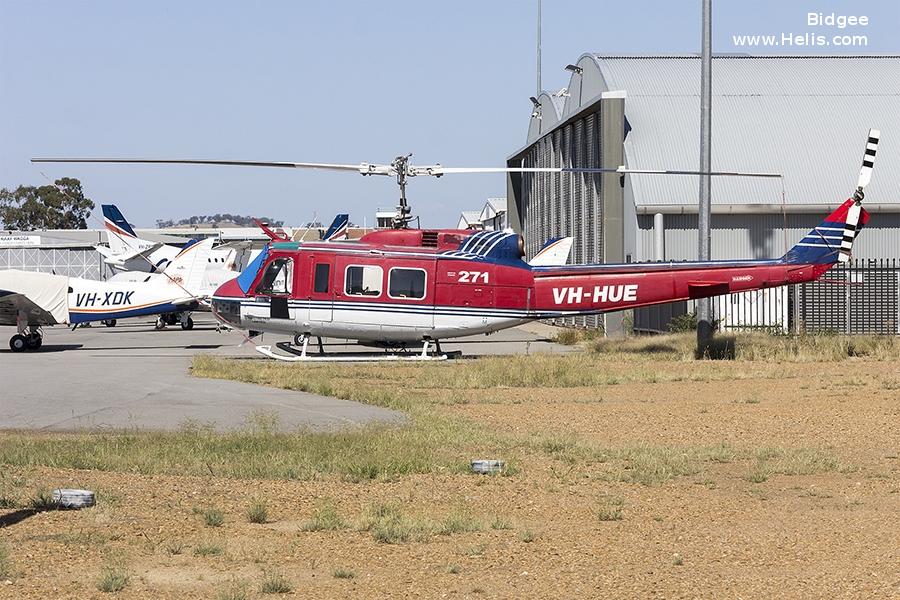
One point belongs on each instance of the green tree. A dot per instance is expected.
(60, 206)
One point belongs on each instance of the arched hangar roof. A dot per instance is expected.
(803, 116)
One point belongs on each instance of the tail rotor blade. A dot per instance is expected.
(865, 172)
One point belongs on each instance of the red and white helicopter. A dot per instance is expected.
(400, 287)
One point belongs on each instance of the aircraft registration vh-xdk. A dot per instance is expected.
(30, 301)
(401, 287)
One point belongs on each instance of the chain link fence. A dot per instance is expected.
(862, 297)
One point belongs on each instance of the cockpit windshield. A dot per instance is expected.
(248, 275)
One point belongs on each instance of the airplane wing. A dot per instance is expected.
(41, 296)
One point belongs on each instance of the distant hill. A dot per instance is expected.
(216, 220)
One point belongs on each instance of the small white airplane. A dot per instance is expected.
(30, 301)
(128, 252)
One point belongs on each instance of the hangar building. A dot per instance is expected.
(803, 116)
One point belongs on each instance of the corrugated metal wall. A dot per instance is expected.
(761, 236)
(555, 205)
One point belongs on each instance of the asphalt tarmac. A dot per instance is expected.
(134, 377)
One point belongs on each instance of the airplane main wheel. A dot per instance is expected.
(18, 343)
(110, 322)
(189, 324)
(34, 341)
(160, 324)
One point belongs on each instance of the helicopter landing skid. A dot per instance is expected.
(302, 356)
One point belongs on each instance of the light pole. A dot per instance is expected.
(704, 316)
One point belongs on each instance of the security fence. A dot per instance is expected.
(860, 297)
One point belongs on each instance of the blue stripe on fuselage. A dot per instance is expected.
(77, 317)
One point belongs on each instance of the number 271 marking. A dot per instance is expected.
(473, 276)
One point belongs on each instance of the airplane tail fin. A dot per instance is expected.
(338, 228)
(188, 268)
(555, 253)
(119, 231)
(120, 235)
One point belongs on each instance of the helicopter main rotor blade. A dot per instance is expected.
(411, 170)
(362, 168)
(438, 170)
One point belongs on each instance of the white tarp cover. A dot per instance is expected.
(48, 291)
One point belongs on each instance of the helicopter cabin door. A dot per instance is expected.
(275, 288)
(320, 289)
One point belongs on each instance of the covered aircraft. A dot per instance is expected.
(30, 301)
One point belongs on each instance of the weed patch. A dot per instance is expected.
(6, 565)
(113, 578)
(610, 508)
(325, 518)
(258, 512)
(275, 583)
(388, 525)
(209, 549)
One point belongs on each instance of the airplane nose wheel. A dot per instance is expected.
(17, 343)
(28, 341)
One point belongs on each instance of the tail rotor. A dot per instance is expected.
(851, 227)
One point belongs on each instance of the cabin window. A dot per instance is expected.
(363, 280)
(278, 277)
(323, 272)
(406, 283)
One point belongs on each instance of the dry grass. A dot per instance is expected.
(113, 578)
(233, 590)
(610, 508)
(209, 549)
(459, 521)
(6, 565)
(325, 518)
(754, 347)
(258, 512)
(213, 517)
(275, 583)
(389, 525)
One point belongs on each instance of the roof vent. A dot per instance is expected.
(430, 239)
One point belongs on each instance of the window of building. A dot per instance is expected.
(406, 283)
(323, 272)
(278, 277)
(363, 280)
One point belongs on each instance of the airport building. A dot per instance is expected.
(72, 252)
(803, 117)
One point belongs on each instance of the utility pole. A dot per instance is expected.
(704, 313)
(538, 91)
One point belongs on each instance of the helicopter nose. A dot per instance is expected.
(226, 303)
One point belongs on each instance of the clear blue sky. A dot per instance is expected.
(334, 81)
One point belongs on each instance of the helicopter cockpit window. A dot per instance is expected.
(363, 281)
(406, 283)
(278, 277)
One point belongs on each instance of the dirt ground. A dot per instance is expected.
(822, 524)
